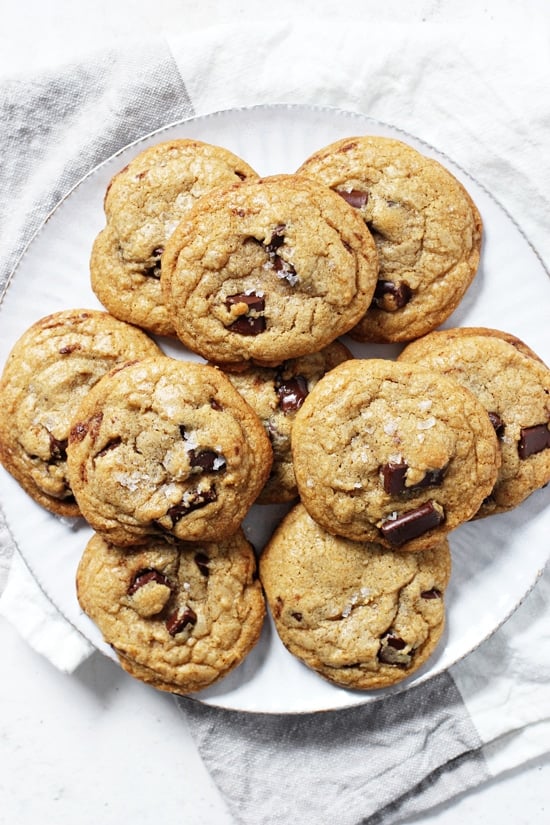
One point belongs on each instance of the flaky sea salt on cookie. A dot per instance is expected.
(48, 372)
(144, 202)
(362, 616)
(166, 447)
(393, 453)
(180, 617)
(268, 270)
(426, 227)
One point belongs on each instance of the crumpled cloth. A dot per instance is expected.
(477, 94)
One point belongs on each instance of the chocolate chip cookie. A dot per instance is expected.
(166, 447)
(393, 453)
(276, 393)
(268, 270)
(48, 372)
(426, 227)
(143, 204)
(180, 616)
(362, 616)
(513, 385)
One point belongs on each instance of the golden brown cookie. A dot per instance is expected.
(179, 616)
(48, 372)
(166, 447)
(362, 616)
(513, 385)
(276, 393)
(426, 227)
(392, 453)
(268, 270)
(143, 204)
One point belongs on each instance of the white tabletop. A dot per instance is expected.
(97, 746)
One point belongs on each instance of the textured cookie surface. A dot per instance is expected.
(179, 616)
(426, 227)
(362, 616)
(48, 372)
(514, 387)
(276, 393)
(268, 270)
(389, 452)
(143, 204)
(166, 447)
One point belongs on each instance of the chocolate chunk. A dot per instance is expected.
(497, 423)
(394, 477)
(284, 269)
(253, 301)
(207, 461)
(533, 440)
(434, 593)
(390, 296)
(179, 621)
(58, 448)
(355, 198)
(411, 524)
(111, 445)
(247, 324)
(297, 616)
(201, 560)
(392, 651)
(193, 501)
(292, 392)
(277, 238)
(145, 576)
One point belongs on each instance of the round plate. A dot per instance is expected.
(495, 561)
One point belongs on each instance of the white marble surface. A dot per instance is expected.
(98, 747)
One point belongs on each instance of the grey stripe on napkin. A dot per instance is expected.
(58, 126)
(352, 766)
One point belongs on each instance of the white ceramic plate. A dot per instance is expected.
(495, 561)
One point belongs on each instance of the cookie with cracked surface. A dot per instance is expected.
(276, 393)
(179, 616)
(427, 230)
(144, 202)
(360, 615)
(49, 370)
(392, 453)
(166, 447)
(269, 270)
(513, 385)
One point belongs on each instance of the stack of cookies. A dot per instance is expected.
(379, 460)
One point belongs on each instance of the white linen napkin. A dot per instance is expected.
(474, 93)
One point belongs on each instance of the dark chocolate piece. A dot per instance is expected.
(411, 524)
(533, 440)
(355, 198)
(390, 296)
(179, 621)
(292, 393)
(207, 461)
(194, 501)
(394, 477)
(497, 423)
(58, 448)
(145, 576)
(434, 593)
(201, 560)
(247, 324)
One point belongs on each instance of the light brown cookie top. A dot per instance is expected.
(275, 394)
(268, 270)
(389, 452)
(144, 202)
(166, 447)
(48, 372)
(179, 616)
(362, 616)
(426, 227)
(513, 385)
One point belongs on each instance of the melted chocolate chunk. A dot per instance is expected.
(355, 198)
(58, 449)
(179, 621)
(277, 239)
(247, 324)
(292, 392)
(533, 440)
(201, 560)
(145, 576)
(193, 501)
(390, 296)
(434, 593)
(394, 477)
(497, 423)
(411, 524)
(207, 461)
